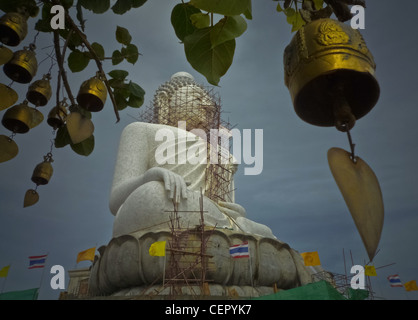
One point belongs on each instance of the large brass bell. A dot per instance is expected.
(57, 116)
(92, 94)
(43, 171)
(18, 118)
(40, 91)
(13, 28)
(23, 66)
(330, 74)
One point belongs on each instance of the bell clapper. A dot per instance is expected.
(344, 122)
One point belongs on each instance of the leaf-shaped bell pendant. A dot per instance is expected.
(23, 66)
(40, 91)
(13, 28)
(92, 94)
(330, 74)
(57, 115)
(43, 171)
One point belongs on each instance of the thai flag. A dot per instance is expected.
(239, 250)
(395, 281)
(37, 261)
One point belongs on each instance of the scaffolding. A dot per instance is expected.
(188, 262)
(183, 100)
(341, 283)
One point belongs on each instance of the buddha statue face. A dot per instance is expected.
(181, 99)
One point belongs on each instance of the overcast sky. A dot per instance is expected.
(295, 195)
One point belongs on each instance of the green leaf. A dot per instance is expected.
(279, 7)
(117, 57)
(225, 7)
(122, 6)
(132, 53)
(135, 102)
(121, 102)
(226, 29)
(296, 21)
(74, 40)
(249, 12)
(117, 83)
(84, 148)
(97, 6)
(123, 91)
(136, 90)
(137, 3)
(123, 36)
(62, 137)
(212, 62)
(13, 6)
(79, 15)
(43, 25)
(98, 49)
(289, 12)
(200, 20)
(67, 3)
(118, 74)
(180, 19)
(318, 4)
(78, 61)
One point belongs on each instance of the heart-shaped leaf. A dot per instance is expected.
(8, 148)
(8, 96)
(362, 194)
(212, 62)
(31, 197)
(37, 117)
(5, 55)
(79, 127)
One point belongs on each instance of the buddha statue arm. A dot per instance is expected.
(174, 185)
(132, 170)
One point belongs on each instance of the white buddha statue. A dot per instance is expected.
(160, 166)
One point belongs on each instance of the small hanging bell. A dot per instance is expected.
(330, 74)
(18, 118)
(57, 116)
(23, 66)
(43, 171)
(92, 94)
(40, 91)
(13, 28)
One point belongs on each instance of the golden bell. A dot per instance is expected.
(18, 118)
(42, 173)
(40, 91)
(13, 28)
(23, 66)
(57, 116)
(330, 73)
(92, 95)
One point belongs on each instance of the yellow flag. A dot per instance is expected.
(370, 271)
(4, 271)
(157, 249)
(411, 286)
(311, 258)
(86, 255)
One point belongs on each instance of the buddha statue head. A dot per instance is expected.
(182, 99)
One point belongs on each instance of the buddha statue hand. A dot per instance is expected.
(173, 183)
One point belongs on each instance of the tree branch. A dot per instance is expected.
(61, 72)
(98, 62)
